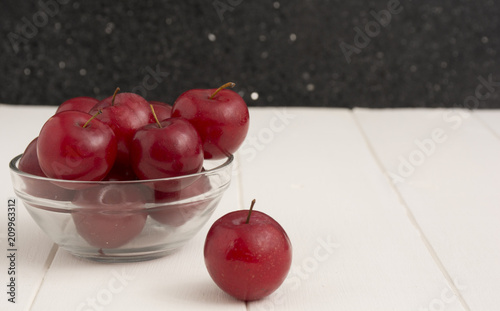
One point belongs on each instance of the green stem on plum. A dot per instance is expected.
(229, 84)
(92, 118)
(154, 115)
(250, 211)
(114, 95)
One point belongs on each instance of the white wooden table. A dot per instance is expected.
(386, 210)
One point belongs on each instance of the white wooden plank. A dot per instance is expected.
(491, 119)
(178, 281)
(18, 126)
(445, 164)
(354, 246)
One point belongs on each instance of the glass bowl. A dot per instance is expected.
(120, 221)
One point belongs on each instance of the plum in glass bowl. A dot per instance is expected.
(120, 221)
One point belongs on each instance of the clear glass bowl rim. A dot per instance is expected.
(13, 167)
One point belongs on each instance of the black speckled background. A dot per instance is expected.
(431, 53)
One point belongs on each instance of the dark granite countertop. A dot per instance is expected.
(380, 53)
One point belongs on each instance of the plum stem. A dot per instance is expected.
(154, 115)
(250, 211)
(114, 95)
(92, 118)
(229, 84)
